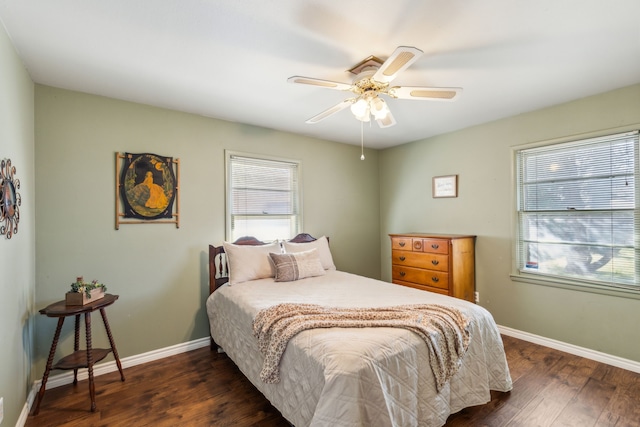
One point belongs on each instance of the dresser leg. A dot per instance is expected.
(45, 377)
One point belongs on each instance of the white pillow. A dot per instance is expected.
(247, 262)
(321, 244)
(297, 265)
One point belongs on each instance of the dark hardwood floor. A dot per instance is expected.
(204, 388)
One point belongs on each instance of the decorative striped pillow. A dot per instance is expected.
(298, 265)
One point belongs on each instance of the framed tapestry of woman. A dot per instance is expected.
(148, 186)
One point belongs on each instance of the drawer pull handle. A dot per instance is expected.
(402, 273)
(435, 246)
(435, 279)
(402, 258)
(401, 244)
(435, 262)
(417, 245)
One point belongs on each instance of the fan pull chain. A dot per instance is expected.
(362, 140)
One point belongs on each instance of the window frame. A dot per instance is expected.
(583, 285)
(229, 154)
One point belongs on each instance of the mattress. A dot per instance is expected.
(357, 376)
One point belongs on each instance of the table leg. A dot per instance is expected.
(45, 377)
(76, 346)
(92, 388)
(111, 342)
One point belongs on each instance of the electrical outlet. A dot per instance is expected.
(477, 297)
(1, 409)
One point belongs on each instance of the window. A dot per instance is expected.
(577, 206)
(263, 197)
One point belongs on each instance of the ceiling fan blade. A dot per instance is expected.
(399, 60)
(319, 82)
(425, 93)
(330, 111)
(387, 121)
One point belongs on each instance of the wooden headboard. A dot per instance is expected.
(218, 268)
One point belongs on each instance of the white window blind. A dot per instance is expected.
(578, 211)
(263, 198)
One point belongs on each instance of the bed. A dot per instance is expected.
(344, 376)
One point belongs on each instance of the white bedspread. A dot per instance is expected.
(353, 376)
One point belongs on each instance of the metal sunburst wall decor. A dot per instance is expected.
(10, 199)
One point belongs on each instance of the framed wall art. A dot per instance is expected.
(445, 186)
(147, 189)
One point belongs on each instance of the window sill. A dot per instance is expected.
(575, 285)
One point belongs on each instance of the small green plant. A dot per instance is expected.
(80, 286)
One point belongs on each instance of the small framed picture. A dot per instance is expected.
(445, 186)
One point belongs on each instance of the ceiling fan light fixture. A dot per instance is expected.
(379, 108)
(364, 118)
(361, 110)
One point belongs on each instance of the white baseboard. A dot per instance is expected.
(619, 362)
(107, 367)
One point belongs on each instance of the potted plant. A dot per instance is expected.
(82, 292)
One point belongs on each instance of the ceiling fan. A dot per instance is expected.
(372, 79)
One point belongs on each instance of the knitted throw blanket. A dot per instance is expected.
(444, 330)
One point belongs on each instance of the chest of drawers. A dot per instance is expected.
(442, 263)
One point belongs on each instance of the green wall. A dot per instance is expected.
(159, 271)
(17, 255)
(481, 156)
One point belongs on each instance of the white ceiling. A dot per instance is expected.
(230, 59)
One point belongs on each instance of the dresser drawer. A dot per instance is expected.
(422, 287)
(421, 260)
(402, 243)
(437, 279)
(434, 246)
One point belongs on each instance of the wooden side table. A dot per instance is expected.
(79, 358)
